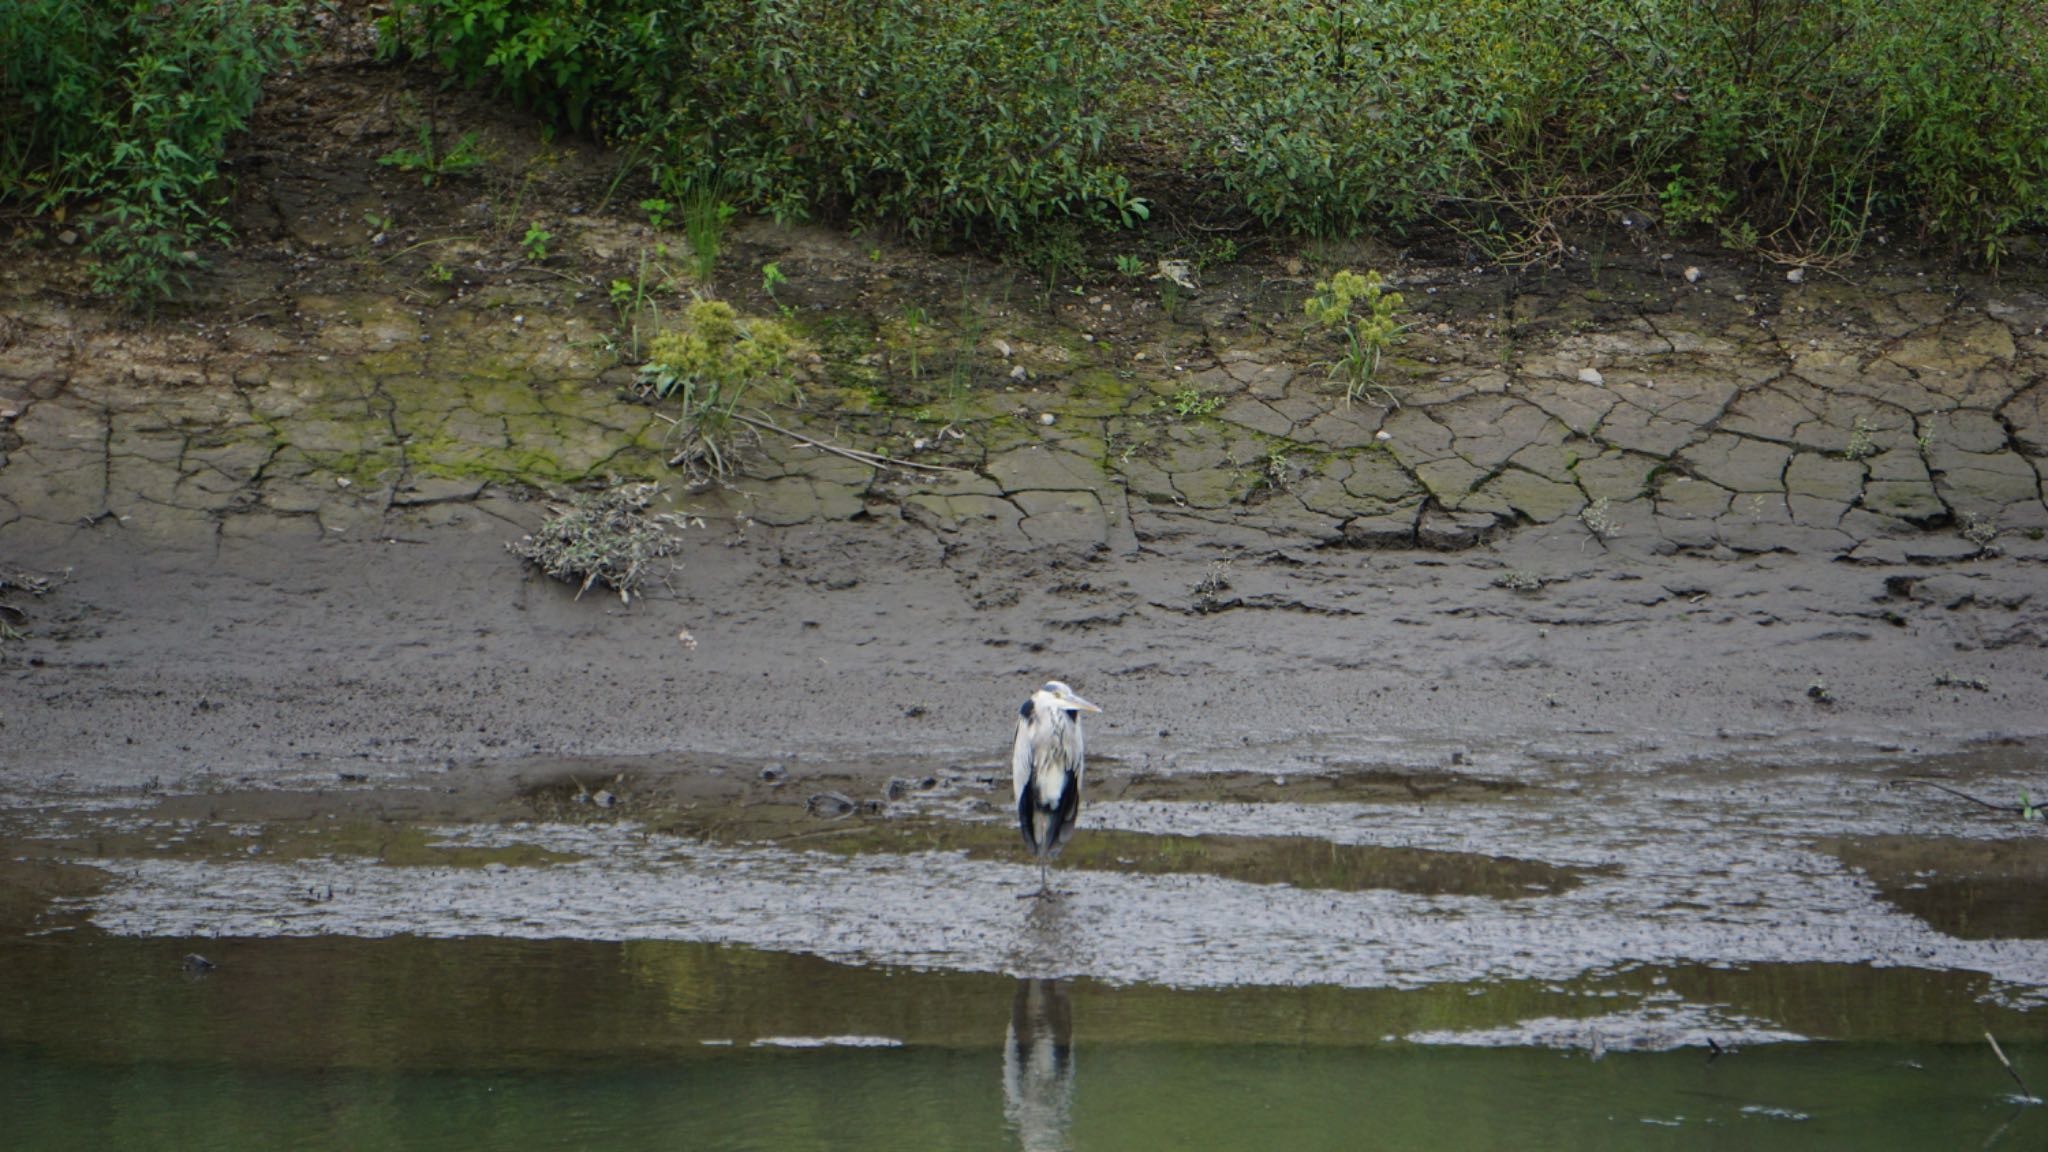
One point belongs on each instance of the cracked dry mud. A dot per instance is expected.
(1830, 481)
(1630, 550)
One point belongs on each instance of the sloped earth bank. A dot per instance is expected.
(1597, 668)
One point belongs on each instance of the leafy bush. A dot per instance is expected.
(601, 66)
(1788, 125)
(1791, 125)
(1322, 117)
(935, 114)
(1971, 155)
(125, 109)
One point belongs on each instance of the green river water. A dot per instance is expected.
(111, 1043)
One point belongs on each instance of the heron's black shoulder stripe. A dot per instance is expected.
(1025, 711)
(1072, 713)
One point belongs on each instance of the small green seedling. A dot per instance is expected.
(536, 242)
(1189, 403)
(657, 211)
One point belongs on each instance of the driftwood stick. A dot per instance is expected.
(2009, 1069)
(872, 459)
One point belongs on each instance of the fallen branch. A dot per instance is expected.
(871, 459)
(875, 459)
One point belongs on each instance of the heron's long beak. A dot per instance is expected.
(1074, 701)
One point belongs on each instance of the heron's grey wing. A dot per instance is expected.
(1020, 758)
(1067, 760)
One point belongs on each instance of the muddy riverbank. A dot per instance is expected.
(1603, 634)
(284, 541)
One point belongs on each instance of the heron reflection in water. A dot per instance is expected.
(1038, 1067)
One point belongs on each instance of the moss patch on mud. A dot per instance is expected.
(30, 889)
(1343, 786)
(1969, 889)
(394, 843)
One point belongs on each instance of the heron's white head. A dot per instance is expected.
(1057, 695)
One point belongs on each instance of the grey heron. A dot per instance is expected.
(1045, 765)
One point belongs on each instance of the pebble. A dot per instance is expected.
(1019, 374)
(1692, 275)
(829, 804)
(1796, 275)
(1046, 419)
(1591, 376)
(603, 799)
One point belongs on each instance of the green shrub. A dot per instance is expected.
(958, 115)
(1792, 125)
(1322, 118)
(600, 66)
(1964, 96)
(1789, 126)
(125, 109)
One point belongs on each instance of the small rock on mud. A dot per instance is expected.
(830, 805)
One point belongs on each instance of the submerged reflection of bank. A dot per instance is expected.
(487, 1003)
(493, 1044)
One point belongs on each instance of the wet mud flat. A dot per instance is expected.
(1363, 882)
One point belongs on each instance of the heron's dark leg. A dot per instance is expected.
(1044, 884)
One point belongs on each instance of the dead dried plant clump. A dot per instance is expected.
(606, 537)
(12, 615)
